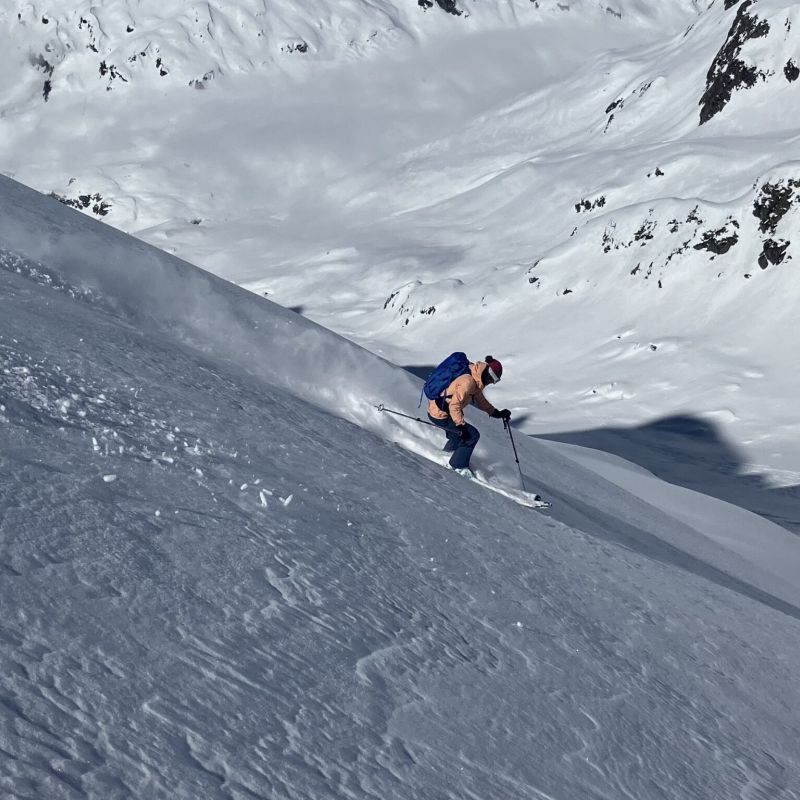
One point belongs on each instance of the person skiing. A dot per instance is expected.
(447, 410)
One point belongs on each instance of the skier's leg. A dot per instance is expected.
(450, 431)
(463, 452)
(453, 434)
(452, 441)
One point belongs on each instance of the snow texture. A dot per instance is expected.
(526, 178)
(227, 574)
(282, 594)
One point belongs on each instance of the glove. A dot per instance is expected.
(505, 414)
(463, 432)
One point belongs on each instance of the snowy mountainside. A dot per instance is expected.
(215, 585)
(516, 179)
(650, 224)
(86, 46)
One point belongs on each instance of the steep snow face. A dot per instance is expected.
(214, 587)
(530, 179)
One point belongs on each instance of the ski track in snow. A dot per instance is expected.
(394, 631)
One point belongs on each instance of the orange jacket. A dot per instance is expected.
(465, 389)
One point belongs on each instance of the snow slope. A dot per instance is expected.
(530, 179)
(222, 577)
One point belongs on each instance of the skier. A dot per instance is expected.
(447, 410)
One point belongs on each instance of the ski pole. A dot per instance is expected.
(507, 426)
(382, 407)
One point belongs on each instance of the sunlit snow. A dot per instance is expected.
(225, 573)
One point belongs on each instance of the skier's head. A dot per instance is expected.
(492, 372)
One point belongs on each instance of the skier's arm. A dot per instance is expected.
(483, 404)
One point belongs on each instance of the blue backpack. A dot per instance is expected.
(455, 365)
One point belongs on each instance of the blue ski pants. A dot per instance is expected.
(460, 448)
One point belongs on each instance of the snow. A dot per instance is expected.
(406, 178)
(227, 573)
(388, 629)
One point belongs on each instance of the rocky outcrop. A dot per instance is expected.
(84, 202)
(446, 5)
(773, 202)
(721, 240)
(729, 72)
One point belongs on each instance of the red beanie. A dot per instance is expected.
(495, 367)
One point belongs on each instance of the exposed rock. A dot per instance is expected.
(694, 216)
(42, 64)
(773, 202)
(791, 71)
(200, 83)
(446, 5)
(720, 240)
(82, 202)
(389, 299)
(112, 72)
(586, 205)
(608, 237)
(295, 47)
(645, 232)
(773, 253)
(728, 72)
(619, 103)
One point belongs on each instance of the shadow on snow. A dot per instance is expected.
(691, 452)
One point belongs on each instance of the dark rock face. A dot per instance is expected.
(40, 63)
(449, 6)
(771, 205)
(618, 104)
(112, 72)
(719, 241)
(587, 205)
(728, 72)
(645, 232)
(791, 71)
(446, 5)
(82, 202)
(773, 253)
(300, 46)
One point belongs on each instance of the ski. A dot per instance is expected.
(527, 499)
